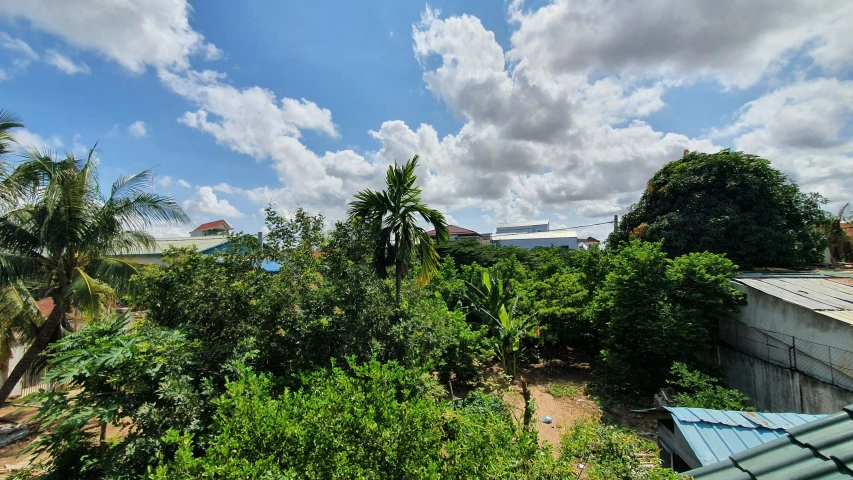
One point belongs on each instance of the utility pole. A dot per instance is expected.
(615, 222)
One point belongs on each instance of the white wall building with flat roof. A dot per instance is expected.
(534, 234)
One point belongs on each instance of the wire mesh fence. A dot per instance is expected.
(823, 362)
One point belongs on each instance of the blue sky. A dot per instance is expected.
(555, 109)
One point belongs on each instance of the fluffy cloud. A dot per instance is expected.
(253, 121)
(805, 129)
(205, 204)
(65, 64)
(137, 129)
(134, 33)
(183, 183)
(18, 46)
(29, 140)
(733, 41)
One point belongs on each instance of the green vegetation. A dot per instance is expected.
(563, 391)
(730, 203)
(393, 214)
(700, 390)
(328, 369)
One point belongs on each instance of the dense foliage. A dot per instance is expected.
(694, 388)
(730, 203)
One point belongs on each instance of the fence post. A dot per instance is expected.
(794, 351)
(831, 366)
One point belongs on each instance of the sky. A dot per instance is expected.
(521, 110)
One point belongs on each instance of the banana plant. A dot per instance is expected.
(488, 301)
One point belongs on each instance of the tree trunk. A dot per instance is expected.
(50, 326)
(398, 282)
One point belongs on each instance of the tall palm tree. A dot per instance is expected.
(8, 122)
(394, 211)
(63, 235)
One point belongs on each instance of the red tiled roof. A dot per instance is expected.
(211, 225)
(847, 227)
(45, 306)
(591, 240)
(454, 230)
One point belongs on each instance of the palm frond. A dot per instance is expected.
(429, 258)
(15, 267)
(88, 294)
(129, 185)
(20, 319)
(114, 272)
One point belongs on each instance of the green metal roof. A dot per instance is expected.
(203, 244)
(821, 449)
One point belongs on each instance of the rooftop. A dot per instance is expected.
(822, 448)
(201, 243)
(818, 292)
(212, 225)
(532, 223)
(714, 435)
(454, 230)
(535, 235)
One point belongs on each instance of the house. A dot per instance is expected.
(207, 245)
(523, 227)
(534, 234)
(821, 448)
(216, 227)
(790, 348)
(459, 233)
(588, 243)
(691, 438)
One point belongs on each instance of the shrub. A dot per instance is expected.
(364, 421)
(696, 389)
(562, 391)
(604, 452)
(653, 311)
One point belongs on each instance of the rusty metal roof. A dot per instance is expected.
(822, 448)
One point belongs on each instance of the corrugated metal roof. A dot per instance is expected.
(201, 243)
(822, 448)
(714, 435)
(814, 293)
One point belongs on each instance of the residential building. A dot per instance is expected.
(207, 245)
(822, 448)
(588, 243)
(216, 227)
(523, 227)
(691, 438)
(534, 234)
(790, 349)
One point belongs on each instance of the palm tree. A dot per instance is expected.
(63, 235)
(393, 212)
(8, 122)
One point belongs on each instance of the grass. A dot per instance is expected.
(561, 391)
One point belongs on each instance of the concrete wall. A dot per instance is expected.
(541, 227)
(570, 242)
(767, 312)
(777, 389)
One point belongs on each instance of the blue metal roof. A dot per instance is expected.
(819, 449)
(715, 435)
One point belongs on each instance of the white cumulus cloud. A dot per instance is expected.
(205, 204)
(137, 129)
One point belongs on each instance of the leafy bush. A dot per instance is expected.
(143, 380)
(652, 311)
(364, 421)
(605, 452)
(699, 390)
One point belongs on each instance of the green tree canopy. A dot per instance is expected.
(731, 203)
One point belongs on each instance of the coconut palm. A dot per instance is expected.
(394, 213)
(64, 236)
(8, 122)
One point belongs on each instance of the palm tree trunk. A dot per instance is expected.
(398, 282)
(48, 329)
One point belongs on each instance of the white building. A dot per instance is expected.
(534, 234)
